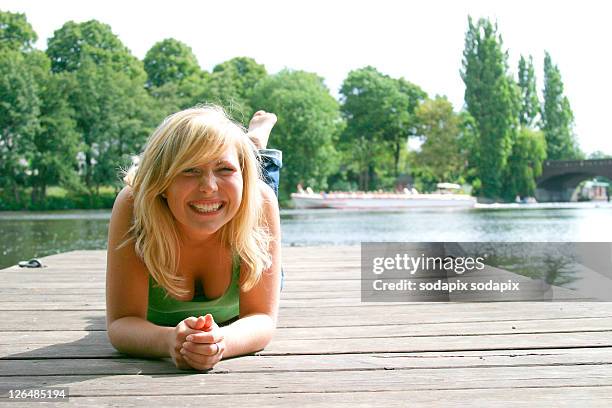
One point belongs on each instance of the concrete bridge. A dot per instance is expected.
(560, 178)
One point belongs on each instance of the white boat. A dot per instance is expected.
(443, 198)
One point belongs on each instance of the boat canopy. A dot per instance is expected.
(448, 186)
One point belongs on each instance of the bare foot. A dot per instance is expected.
(260, 127)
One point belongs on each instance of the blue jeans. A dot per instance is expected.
(271, 163)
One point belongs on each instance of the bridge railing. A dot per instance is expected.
(577, 163)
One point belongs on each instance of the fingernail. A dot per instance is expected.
(182, 351)
(189, 338)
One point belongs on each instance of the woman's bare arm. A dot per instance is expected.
(127, 290)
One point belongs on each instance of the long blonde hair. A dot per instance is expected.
(186, 139)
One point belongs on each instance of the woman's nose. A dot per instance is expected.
(208, 182)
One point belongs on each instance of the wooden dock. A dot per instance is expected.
(330, 349)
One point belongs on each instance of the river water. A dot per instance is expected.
(25, 235)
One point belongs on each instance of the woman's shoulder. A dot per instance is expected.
(124, 202)
(123, 212)
(126, 195)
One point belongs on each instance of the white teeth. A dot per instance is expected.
(206, 207)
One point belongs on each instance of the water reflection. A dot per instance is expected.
(27, 235)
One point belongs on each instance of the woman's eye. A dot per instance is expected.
(227, 169)
(190, 171)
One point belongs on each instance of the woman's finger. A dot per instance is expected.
(204, 349)
(191, 322)
(197, 361)
(214, 336)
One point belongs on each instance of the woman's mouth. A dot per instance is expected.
(206, 208)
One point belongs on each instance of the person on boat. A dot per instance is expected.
(193, 263)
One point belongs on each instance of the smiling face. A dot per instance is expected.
(205, 197)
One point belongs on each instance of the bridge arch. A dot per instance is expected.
(560, 178)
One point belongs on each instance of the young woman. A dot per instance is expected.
(194, 242)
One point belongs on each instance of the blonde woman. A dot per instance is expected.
(194, 243)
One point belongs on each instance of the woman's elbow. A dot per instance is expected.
(111, 334)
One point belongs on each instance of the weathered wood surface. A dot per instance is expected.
(329, 349)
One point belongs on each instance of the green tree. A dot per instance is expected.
(15, 32)
(19, 121)
(401, 122)
(374, 108)
(170, 60)
(114, 117)
(525, 164)
(443, 151)
(232, 84)
(112, 111)
(175, 79)
(308, 126)
(53, 159)
(557, 116)
(71, 44)
(491, 98)
(174, 96)
(530, 104)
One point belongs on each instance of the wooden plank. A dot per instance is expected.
(324, 381)
(593, 397)
(95, 344)
(32, 295)
(326, 317)
(559, 326)
(331, 362)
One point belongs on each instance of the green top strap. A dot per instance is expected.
(166, 311)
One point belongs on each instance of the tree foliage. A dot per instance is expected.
(74, 42)
(379, 115)
(557, 116)
(491, 98)
(170, 60)
(530, 104)
(308, 126)
(524, 164)
(232, 84)
(55, 144)
(19, 120)
(15, 32)
(113, 119)
(112, 110)
(445, 149)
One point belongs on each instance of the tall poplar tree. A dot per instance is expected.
(557, 116)
(491, 99)
(530, 104)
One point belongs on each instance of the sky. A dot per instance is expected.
(420, 41)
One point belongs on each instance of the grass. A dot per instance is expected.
(58, 198)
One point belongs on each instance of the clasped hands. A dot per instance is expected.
(197, 343)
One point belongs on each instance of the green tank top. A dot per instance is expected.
(166, 311)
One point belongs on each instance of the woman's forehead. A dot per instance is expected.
(228, 155)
